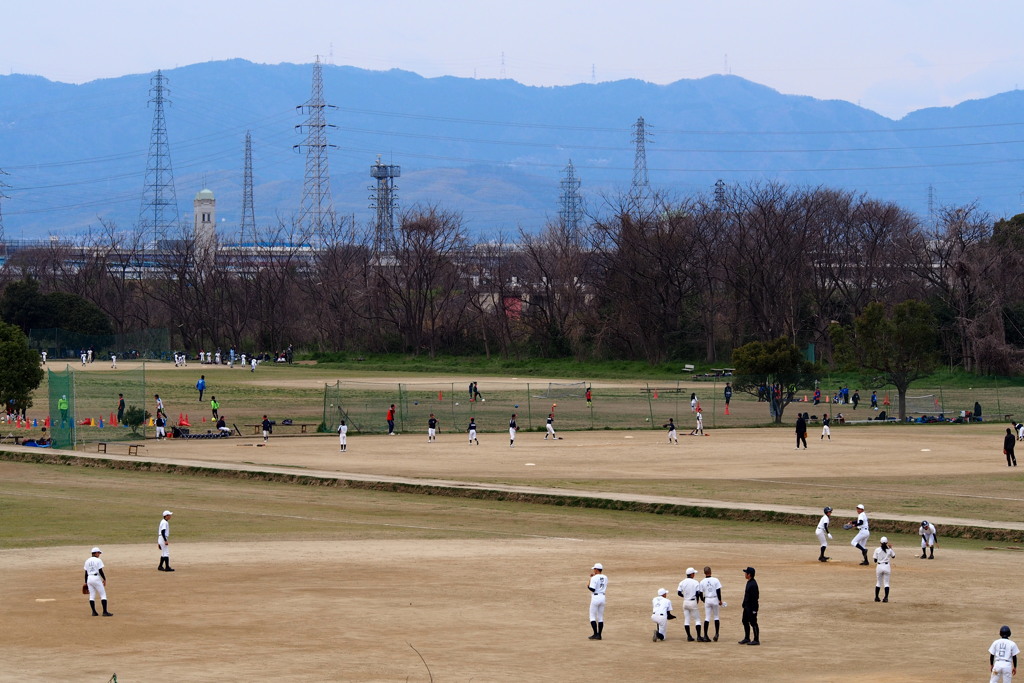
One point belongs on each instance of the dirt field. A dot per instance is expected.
(512, 605)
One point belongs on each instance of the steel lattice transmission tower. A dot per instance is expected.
(317, 209)
(159, 213)
(248, 226)
(719, 194)
(385, 200)
(3, 186)
(571, 209)
(640, 138)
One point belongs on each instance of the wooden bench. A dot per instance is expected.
(303, 426)
(16, 438)
(133, 448)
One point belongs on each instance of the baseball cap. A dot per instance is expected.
(96, 550)
(598, 566)
(924, 523)
(885, 539)
(860, 507)
(167, 512)
(690, 570)
(750, 570)
(662, 591)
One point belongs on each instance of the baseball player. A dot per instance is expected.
(512, 429)
(1019, 426)
(929, 537)
(432, 428)
(551, 427)
(711, 593)
(884, 554)
(699, 429)
(267, 428)
(163, 542)
(1002, 657)
(472, 432)
(823, 533)
(96, 580)
(860, 541)
(826, 429)
(661, 612)
(688, 589)
(597, 586)
(673, 436)
(343, 436)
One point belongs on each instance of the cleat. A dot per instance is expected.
(108, 614)
(822, 559)
(885, 599)
(923, 556)
(594, 637)
(865, 563)
(716, 638)
(877, 600)
(754, 642)
(168, 570)
(690, 639)
(745, 641)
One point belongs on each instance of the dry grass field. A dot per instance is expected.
(285, 582)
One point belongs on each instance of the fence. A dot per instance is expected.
(139, 345)
(83, 403)
(621, 405)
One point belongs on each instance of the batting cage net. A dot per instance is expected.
(84, 406)
(558, 390)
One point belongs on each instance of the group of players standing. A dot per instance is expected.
(693, 592)
(883, 555)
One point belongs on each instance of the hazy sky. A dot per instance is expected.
(891, 56)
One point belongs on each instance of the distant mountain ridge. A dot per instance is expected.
(492, 149)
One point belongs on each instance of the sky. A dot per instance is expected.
(890, 56)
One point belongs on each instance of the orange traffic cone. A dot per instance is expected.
(440, 396)
(727, 409)
(655, 395)
(46, 422)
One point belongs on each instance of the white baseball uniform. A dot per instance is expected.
(343, 436)
(927, 536)
(1003, 650)
(710, 587)
(598, 584)
(861, 538)
(163, 535)
(689, 587)
(700, 423)
(822, 531)
(660, 607)
(883, 556)
(95, 582)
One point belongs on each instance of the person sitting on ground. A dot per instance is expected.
(222, 426)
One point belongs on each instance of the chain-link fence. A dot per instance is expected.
(147, 344)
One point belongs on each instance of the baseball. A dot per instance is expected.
(456, 403)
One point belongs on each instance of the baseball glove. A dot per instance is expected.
(85, 589)
(847, 526)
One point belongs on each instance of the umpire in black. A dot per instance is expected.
(751, 597)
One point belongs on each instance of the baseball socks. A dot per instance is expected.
(822, 558)
(688, 636)
(864, 552)
(597, 633)
(92, 603)
(105, 612)
(931, 552)
(877, 589)
(886, 598)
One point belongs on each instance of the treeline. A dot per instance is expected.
(645, 277)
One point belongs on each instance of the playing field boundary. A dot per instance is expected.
(713, 510)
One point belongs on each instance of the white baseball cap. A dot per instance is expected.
(690, 570)
(96, 550)
(598, 566)
(885, 539)
(662, 591)
(167, 512)
(860, 507)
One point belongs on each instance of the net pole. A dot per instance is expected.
(529, 407)
(650, 406)
(591, 406)
(403, 405)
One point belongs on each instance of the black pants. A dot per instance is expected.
(750, 621)
(1011, 458)
(803, 438)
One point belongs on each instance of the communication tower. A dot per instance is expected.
(385, 200)
(159, 213)
(317, 209)
(640, 138)
(720, 194)
(571, 210)
(247, 229)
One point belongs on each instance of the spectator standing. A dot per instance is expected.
(201, 387)
(801, 432)
(751, 599)
(1008, 442)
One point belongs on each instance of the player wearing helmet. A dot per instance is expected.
(1002, 657)
(823, 534)
(928, 539)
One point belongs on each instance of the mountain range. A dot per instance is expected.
(494, 150)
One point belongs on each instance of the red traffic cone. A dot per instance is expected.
(46, 422)
(440, 396)
(727, 409)
(655, 395)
